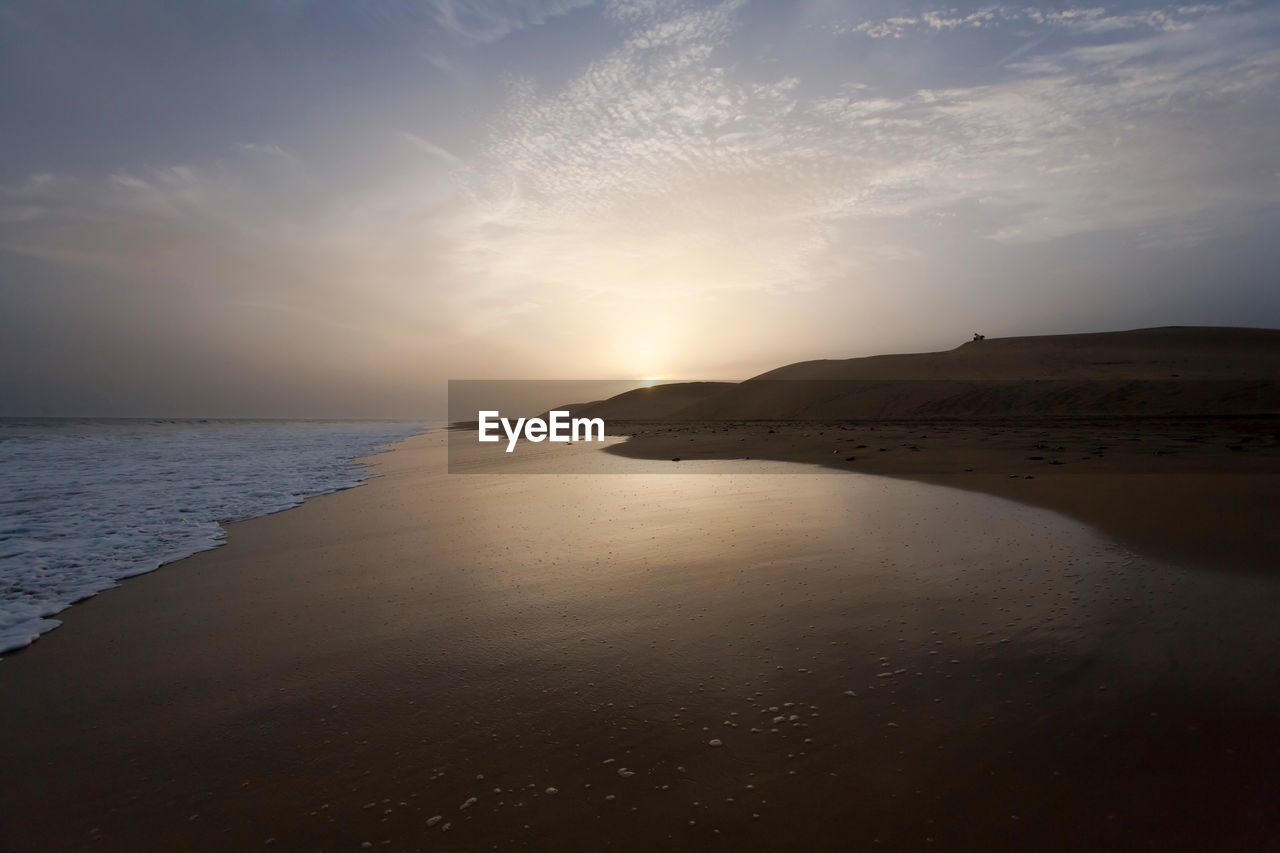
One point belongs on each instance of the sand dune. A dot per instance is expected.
(658, 402)
(964, 399)
(1183, 352)
(1183, 371)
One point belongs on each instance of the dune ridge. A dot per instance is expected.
(655, 403)
(1162, 372)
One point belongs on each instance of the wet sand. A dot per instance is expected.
(1199, 490)
(884, 665)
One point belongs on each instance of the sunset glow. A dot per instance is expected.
(497, 189)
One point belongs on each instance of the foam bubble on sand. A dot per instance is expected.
(88, 503)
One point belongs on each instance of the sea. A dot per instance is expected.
(85, 503)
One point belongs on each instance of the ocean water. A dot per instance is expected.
(85, 503)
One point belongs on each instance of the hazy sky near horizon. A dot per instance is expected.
(306, 208)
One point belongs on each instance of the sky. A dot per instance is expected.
(296, 208)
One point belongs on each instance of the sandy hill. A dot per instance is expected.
(1186, 352)
(1192, 371)
(660, 402)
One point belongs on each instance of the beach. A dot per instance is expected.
(1200, 490)
(779, 657)
(641, 425)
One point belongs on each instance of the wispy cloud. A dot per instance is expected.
(659, 169)
(446, 27)
(1080, 20)
(487, 21)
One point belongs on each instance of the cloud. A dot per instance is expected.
(488, 21)
(660, 170)
(1079, 20)
(660, 167)
(431, 150)
(257, 226)
(448, 28)
(633, 174)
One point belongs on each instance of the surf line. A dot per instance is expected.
(558, 427)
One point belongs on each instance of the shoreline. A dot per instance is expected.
(199, 523)
(344, 672)
(1203, 491)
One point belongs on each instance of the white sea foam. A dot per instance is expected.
(86, 503)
